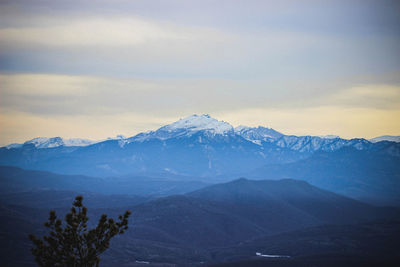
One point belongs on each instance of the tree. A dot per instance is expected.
(74, 244)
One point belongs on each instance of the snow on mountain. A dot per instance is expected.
(15, 145)
(390, 138)
(199, 123)
(211, 127)
(315, 143)
(78, 142)
(187, 127)
(257, 134)
(329, 136)
(197, 145)
(45, 142)
(260, 135)
(118, 137)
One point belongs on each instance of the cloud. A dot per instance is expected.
(129, 61)
(96, 31)
(44, 85)
(380, 96)
(54, 95)
(121, 44)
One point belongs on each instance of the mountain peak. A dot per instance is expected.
(186, 127)
(196, 122)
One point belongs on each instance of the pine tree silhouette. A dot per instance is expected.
(73, 244)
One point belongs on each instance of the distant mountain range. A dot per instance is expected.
(44, 142)
(201, 146)
(16, 180)
(190, 125)
(367, 175)
(196, 146)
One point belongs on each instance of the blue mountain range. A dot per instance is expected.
(203, 147)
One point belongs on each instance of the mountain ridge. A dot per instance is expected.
(196, 146)
(245, 207)
(190, 125)
(390, 138)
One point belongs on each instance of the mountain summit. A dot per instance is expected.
(187, 127)
(199, 123)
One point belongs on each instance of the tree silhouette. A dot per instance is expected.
(74, 244)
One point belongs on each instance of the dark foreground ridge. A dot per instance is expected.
(227, 222)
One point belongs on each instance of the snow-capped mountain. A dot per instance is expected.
(390, 138)
(198, 145)
(314, 143)
(209, 126)
(203, 147)
(197, 123)
(187, 127)
(45, 142)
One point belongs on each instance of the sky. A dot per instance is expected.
(99, 68)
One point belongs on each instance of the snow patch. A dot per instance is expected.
(122, 142)
(271, 256)
(186, 127)
(258, 134)
(78, 142)
(45, 142)
(142, 262)
(329, 136)
(118, 137)
(198, 123)
(13, 146)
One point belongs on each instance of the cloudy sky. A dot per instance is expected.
(98, 68)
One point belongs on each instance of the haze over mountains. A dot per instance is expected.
(222, 222)
(304, 171)
(206, 149)
(309, 197)
(209, 146)
(190, 124)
